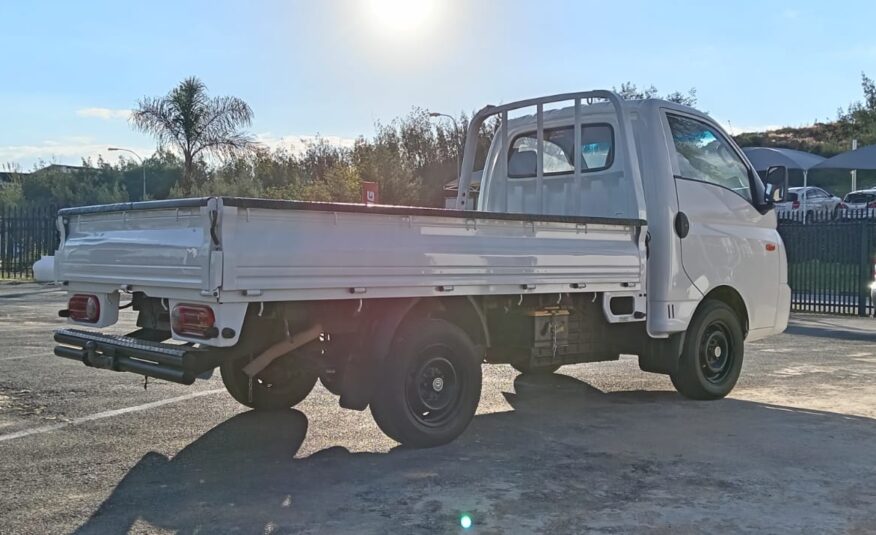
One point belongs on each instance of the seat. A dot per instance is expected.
(522, 164)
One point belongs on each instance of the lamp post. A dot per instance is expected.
(142, 165)
(435, 114)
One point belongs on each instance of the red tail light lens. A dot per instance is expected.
(193, 320)
(795, 205)
(843, 205)
(84, 308)
(871, 204)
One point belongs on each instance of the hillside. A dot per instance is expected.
(828, 139)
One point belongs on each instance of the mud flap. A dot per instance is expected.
(661, 355)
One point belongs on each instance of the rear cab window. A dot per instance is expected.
(597, 151)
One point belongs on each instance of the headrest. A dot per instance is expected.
(522, 163)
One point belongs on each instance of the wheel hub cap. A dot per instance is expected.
(433, 387)
(715, 353)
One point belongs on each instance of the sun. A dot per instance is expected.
(401, 16)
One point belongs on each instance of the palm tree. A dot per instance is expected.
(196, 125)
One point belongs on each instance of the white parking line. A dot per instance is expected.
(34, 355)
(106, 414)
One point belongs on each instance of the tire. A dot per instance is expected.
(526, 368)
(283, 384)
(712, 355)
(430, 384)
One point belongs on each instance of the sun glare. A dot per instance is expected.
(401, 16)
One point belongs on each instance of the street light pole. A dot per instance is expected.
(142, 165)
(434, 114)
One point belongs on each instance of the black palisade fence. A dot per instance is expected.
(26, 234)
(831, 261)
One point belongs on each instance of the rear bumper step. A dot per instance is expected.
(179, 364)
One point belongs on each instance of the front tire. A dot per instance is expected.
(283, 384)
(430, 386)
(712, 355)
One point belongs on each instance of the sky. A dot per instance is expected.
(71, 71)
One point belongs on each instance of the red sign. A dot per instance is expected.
(369, 192)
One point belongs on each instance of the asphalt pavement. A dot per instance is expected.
(594, 448)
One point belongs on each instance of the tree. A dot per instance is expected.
(189, 121)
(629, 91)
(73, 186)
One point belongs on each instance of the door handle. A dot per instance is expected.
(682, 224)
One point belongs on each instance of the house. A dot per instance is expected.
(452, 188)
(9, 177)
(61, 168)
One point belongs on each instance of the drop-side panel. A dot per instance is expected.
(163, 247)
(309, 254)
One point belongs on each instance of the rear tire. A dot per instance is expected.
(430, 384)
(283, 384)
(712, 355)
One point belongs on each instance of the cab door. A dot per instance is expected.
(724, 239)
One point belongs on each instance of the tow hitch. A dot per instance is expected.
(176, 363)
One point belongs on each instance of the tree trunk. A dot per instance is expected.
(188, 179)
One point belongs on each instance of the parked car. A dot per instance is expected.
(570, 257)
(819, 204)
(858, 205)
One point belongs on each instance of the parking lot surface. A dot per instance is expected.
(594, 448)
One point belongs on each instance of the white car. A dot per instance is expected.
(819, 205)
(859, 204)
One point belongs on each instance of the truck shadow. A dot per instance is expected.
(568, 455)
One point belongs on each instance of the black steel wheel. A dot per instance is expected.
(712, 355)
(283, 384)
(430, 386)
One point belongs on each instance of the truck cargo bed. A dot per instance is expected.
(255, 249)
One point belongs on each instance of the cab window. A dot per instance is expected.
(704, 155)
(597, 151)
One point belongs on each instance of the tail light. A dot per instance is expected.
(871, 204)
(795, 205)
(84, 308)
(842, 206)
(193, 320)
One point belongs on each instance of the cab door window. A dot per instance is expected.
(704, 155)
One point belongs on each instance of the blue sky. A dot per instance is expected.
(70, 70)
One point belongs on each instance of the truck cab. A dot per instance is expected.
(709, 225)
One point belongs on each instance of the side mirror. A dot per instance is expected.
(775, 185)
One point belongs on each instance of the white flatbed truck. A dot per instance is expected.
(604, 227)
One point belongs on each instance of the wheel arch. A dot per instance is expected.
(732, 298)
(464, 312)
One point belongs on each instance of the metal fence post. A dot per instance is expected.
(864, 270)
